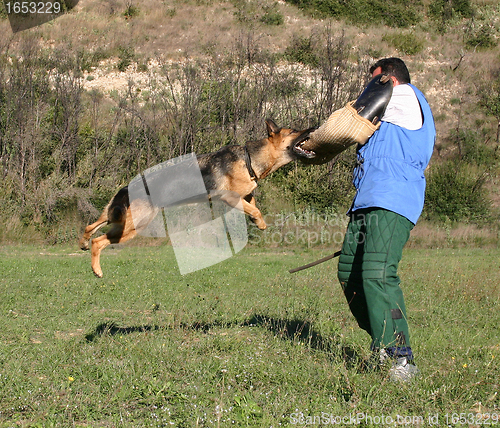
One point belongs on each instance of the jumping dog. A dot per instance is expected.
(233, 168)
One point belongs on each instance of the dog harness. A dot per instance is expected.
(248, 163)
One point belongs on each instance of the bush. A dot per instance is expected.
(394, 13)
(318, 187)
(251, 12)
(302, 50)
(456, 191)
(481, 38)
(272, 17)
(472, 148)
(406, 43)
(3, 12)
(444, 10)
(87, 60)
(126, 56)
(131, 11)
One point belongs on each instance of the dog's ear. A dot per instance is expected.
(272, 128)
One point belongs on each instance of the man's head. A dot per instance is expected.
(395, 67)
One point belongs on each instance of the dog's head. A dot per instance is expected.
(275, 150)
(284, 140)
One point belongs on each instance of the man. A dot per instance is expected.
(390, 183)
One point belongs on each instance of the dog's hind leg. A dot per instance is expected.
(122, 230)
(93, 228)
(116, 235)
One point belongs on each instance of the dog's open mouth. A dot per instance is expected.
(301, 151)
(298, 145)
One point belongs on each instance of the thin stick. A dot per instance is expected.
(317, 262)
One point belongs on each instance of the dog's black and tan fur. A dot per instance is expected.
(232, 168)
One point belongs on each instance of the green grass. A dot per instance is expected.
(243, 343)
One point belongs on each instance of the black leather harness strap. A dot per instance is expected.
(248, 162)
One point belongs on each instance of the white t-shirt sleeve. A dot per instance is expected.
(403, 108)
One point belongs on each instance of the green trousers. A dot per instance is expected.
(368, 265)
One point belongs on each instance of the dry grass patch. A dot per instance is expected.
(429, 235)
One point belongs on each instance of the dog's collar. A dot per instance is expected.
(248, 162)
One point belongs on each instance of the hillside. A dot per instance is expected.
(124, 48)
(177, 30)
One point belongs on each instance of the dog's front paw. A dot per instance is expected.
(96, 268)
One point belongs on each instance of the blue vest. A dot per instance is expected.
(390, 170)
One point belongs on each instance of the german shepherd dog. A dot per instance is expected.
(232, 168)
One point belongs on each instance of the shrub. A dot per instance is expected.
(489, 99)
(444, 10)
(272, 17)
(481, 38)
(3, 12)
(302, 50)
(87, 60)
(171, 12)
(131, 11)
(473, 149)
(394, 13)
(317, 187)
(456, 191)
(406, 43)
(126, 56)
(463, 8)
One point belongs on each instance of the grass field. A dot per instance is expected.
(243, 343)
